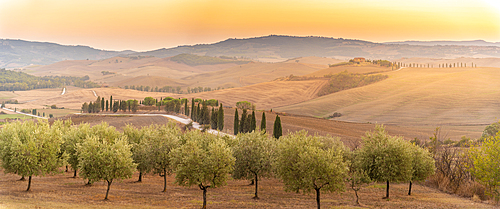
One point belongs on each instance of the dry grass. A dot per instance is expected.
(248, 74)
(368, 68)
(433, 97)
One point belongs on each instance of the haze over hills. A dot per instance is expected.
(455, 43)
(273, 48)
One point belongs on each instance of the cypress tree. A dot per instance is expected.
(277, 133)
(243, 121)
(111, 102)
(206, 113)
(186, 110)
(198, 113)
(192, 109)
(213, 119)
(263, 122)
(220, 120)
(253, 122)
(107, 105)
(102, 104)
(236, 122)
(248, 124)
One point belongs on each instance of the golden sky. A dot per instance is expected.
(152, 24)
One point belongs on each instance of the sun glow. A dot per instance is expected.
(151, 24)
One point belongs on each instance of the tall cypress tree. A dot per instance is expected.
(277, 133)
(263, 122)
(206, 113)
(213, 119)
(102, 104)
(111, 102)
(198, 113)
(243, 121)
(186, 110)
(220, 120)
(253, 122)
(236, 127)
(192, 109)
(107, 105)
(248, 124)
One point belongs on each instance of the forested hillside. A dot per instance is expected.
(20, 81)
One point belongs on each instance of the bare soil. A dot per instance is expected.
(63, 191)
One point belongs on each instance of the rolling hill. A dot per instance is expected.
(422, 96)
(273, 48)
(20, 53)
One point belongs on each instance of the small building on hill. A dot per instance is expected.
(359, 59)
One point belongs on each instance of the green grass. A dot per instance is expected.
(14, 116)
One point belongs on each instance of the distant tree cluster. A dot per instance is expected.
(345, 80)
(200, 113)
(104, 105)
(20, 81)
(444, 65)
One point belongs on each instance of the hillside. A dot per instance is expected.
(416, 96)
(361, 69)
(20, 53)
(456, 43)
(273, 48)
(276, 48)
(248, 74)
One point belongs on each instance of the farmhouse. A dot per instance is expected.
(359, 59)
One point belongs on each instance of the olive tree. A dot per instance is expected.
(74, 136)
(31, 149)
(161, 141)
(105, 159)
(311, 163)
(253, 153)
(423, 165)
(203, 160)
(486, 165)
(386, 158)
(140, 148)
(356, 177)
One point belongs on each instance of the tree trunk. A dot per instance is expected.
(251, 182)
(140, 177)
(387, 191)
(256, 187)
(107, 191)
(318, 197)
(204, 198)
(22, 178)
(29, 184)
(357, 197)
(164, 180)
(409, 190)
(74, 174)
(66, 169)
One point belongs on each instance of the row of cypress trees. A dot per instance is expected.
(248, 124)
(201, 114)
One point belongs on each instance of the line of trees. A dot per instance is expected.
(100, 105)
(20, 81)
(172, 89)
(303, 162)
(444, 65)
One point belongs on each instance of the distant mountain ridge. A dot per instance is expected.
(20, 53)
(454, 43)
(272, 48)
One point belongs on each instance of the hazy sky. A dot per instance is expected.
(152, 24)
